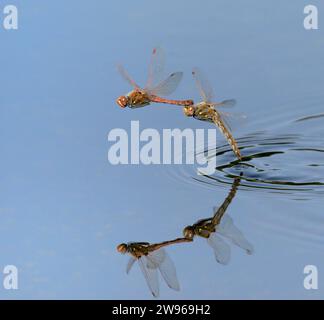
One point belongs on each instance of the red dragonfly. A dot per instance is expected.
(154, 88)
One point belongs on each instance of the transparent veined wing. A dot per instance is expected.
(150, 275)
(230, 231)
(166, 267)
(232, 120)
(151, 263)
(130, 264)
(156, 68)
(203, 85)
(167, 86)
(222, 250)
(126, 76)
(225, 103)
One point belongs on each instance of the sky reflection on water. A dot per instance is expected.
(64, 208)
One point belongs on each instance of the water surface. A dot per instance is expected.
(64, 208)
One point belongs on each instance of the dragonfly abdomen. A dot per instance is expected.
(170, 101)
(230, 139)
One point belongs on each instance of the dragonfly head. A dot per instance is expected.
(122, 101)
(189, 111)
(189, 232)
(122, 248)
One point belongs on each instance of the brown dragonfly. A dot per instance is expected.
(220, 225)
(155, 87)
(207, 110)
(153, 257)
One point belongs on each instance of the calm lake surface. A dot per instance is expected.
(64, 208)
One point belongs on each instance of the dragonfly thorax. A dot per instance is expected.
(205, 230)
(138, 98)
(203, 111)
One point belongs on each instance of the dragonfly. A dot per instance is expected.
(155, 88)
(220, 225)
(208, 110)
(153, 257)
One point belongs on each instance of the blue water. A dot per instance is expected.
(64, 208)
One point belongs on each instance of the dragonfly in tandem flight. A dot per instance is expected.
(155, 89)
(208, 110)
(151, 258)
(220, 225)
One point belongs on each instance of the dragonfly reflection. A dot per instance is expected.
(152, 257)
(220, 225)
(207, 110)
(155, 87)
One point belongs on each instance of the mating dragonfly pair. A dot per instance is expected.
(156, 88)
(153, 257)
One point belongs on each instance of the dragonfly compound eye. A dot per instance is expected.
(122, 101)
(189, 111)
(122, 248)
(188, 232)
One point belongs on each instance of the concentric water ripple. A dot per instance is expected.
(288, 159)
(287, 164)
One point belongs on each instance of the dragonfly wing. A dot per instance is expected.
(228, 230)
(225, 103)
(203, 85)
(130, 264)
(232, 120)
(156, 68)
(167, 86)
(166, 267)
(222, 250)
(150, 275)
(126, 76)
